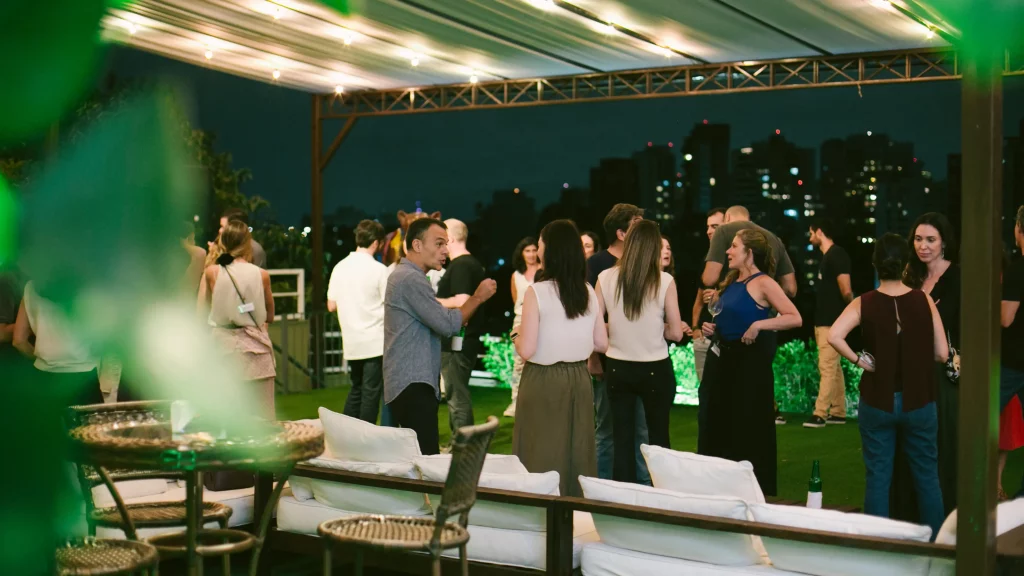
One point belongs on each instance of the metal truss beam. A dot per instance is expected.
(904, 66)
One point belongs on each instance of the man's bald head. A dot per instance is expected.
(737, 214)
(457, 230)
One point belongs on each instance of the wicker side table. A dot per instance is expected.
(259, 446)
(102, 557)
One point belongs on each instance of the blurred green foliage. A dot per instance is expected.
(795, 367)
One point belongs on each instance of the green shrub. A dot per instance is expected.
(795, 367)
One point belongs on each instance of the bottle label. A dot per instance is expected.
(814, 500)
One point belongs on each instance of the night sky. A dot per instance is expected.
(450, 161)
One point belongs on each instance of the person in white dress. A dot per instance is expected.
(526, 266)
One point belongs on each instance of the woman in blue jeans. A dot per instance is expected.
(903, 338)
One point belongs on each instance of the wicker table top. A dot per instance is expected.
(150, 445)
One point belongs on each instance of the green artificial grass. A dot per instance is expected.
(837, 447)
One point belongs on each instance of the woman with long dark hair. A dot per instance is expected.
(740, 396)
(903, 338)
(932, 268)
(526, 265)
(561, 328)
(591, 243)
(642, 305)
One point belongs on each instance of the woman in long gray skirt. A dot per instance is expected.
(560, 329)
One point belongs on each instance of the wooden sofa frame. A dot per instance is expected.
(559, 511)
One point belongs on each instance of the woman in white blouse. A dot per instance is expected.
(526, 265)
(561, 328)
(643, 312)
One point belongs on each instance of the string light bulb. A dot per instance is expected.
(277, 74)
(930, 33)
(415, 61)
(667, 53)
(132, 29)
(473, 78)
(349, 37)
(339, 89)
(277, 13)
(208, 54)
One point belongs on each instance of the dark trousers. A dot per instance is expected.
(457, 368)
(654, 383)
(416, 409)
(367, 377)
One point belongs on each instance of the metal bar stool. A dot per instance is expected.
(105, 557)
(430, 535)
(129, 518)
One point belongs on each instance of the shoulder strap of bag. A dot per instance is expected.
(240, 297)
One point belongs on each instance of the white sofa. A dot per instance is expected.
(714, 487)
(499, 533)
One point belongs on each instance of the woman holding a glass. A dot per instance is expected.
(738, 389)
(904, 337)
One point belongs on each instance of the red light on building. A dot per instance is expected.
(799, 182)
(670, 144)
(777, 131)
(915, 159)
(705, 121)
(649, 144)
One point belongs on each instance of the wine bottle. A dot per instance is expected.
(814, 487)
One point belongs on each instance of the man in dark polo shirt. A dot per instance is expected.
(834, 293)
(616, 225)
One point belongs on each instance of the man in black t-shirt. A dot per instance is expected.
(616, 225)
(1011, 373)
(463, 275)
(834, 293)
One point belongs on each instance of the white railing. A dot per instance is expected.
(299, 294)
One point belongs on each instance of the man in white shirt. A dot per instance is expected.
(356, 292)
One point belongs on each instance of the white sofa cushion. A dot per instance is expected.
(130, 489)
(727, 549)
(501, 473)
(437, 465)
(600, 559)
(240, 501)
(354, 440)
(302, 488)
(1009, 515)
(489, 545)
(695, 474)
(834, 560)
(366, 499)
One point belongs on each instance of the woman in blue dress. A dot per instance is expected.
(740, 384)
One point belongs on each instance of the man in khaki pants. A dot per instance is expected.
(834, 293)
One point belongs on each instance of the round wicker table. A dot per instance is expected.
(256, 445)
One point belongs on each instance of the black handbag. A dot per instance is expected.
(228, 480)
(953, 362)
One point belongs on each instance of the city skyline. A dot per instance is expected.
(450, 161)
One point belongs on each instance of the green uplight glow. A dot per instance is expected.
(795, 367)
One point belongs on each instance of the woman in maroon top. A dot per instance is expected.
(903, 338)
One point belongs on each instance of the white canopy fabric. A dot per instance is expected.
(386, 44)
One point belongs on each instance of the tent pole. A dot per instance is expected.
(982, 146)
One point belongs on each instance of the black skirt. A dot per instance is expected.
(738, 393)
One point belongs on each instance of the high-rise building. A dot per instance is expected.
(774, 180)
(871, 185)
(612, 181)
(658, 184)
(706, 177)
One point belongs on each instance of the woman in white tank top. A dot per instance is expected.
(241, 305)
(643, 312)
(526, 265)
(560, 329)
